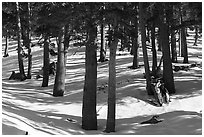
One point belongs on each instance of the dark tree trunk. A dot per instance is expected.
(59, 86)
(110, 124)
(28, 44)
(196, 36)
(89, 116)
(154, 52)
(46, 62)
(173, 46)
(184, 48)
(102, 51)
(167, 65)
(7, 45)
(20, 57)
(159, 40)
(144, 49)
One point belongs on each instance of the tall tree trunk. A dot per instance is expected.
(102, 51)
(173, 46)
(167, 65)
(20, 57)
(110, 124)
(159, 39)
(59, 86)
(46, 62)
(196, 36)
(7, 45)
(89, 116)
(29, 40)
(184, 48)
(154, 52)
(135, 45)
(144, 49)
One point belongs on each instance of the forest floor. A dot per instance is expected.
(28, 107)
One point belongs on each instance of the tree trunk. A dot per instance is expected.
(154, 52)
(184, 48)
(102, 51)
(173, 46)
(59, 86)
(110, 124)
(159, 39)
(167, 65)
(196, 36)
(46, 62)
(29, 40)
(20, 57)
(144, 49)
(6, 46)
(135, 45)
(89, 116)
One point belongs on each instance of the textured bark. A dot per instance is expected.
(102, 50)
(154, 52)
(46, 62)
(167, 65)
(135, 45)
(184, 48)
(6, 46)
(89, 116)
(110, 124)
(196, 36)
(20, 57)
(29, 41)
(173, 46)
(59, 85)
(144, 49)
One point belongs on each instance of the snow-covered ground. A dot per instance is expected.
(28, 107)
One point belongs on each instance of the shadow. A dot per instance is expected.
(174, 123)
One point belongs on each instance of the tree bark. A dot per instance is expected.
(29, 40)
(110, 124)
(154, 52)
(173, 46)
(144, 49)
(135, 45)
(167, 65)
(20, 57)
(102, 50)
(46, 62)
(7, 45)
(196, 36)
(184, 48)
(89, 116)
(59, 86)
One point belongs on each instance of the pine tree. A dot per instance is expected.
(20, 57)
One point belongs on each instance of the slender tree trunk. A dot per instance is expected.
(20, 57)
(29, 41)
(167, 65)
(110, 124)
(102, 51)
(144, 49)
(184, 51)
(135, 45)
(173, 46)
(196, 36)
(7, 45)
(46, 62)
(89, 116)
(154, 52)
(159, 40)
(59, 86)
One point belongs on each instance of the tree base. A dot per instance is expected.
(59, 93)
(6, 55)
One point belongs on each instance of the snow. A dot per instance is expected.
(28, 107)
